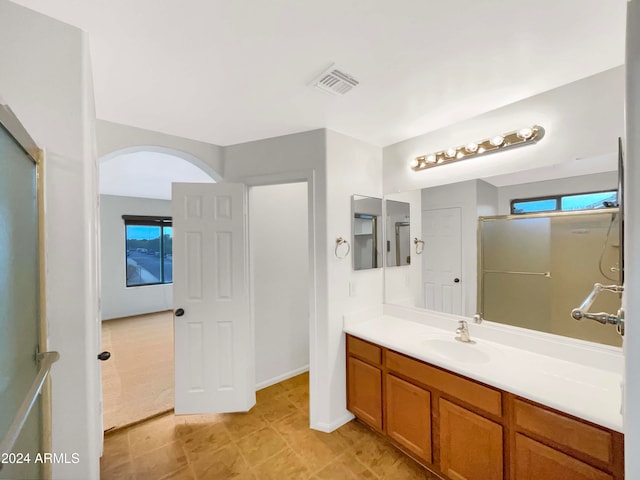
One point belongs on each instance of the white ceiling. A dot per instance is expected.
(147, 175)
(226, 72)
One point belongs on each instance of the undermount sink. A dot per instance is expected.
(456, 351)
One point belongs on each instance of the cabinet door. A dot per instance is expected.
(408, 418)
(470, 445)
(535, 461)
(365, 392)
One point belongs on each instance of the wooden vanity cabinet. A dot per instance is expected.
(470, 444)
(364, 381)
(465, 430)
(408, 416)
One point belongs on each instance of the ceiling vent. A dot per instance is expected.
(335, 81)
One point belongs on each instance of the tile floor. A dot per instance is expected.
(272, 441)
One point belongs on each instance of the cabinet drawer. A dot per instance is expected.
(364, 350)
(563, 430)
(485, 398)
(535, 461)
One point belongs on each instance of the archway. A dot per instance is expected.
(136, 277)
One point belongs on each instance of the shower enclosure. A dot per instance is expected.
(20, 359)
(534, 269)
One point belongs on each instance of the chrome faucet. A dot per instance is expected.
(463, 332)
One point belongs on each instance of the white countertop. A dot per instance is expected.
(585, 391)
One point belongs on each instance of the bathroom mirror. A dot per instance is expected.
(398, 235)
(445, 276)
(366, 227)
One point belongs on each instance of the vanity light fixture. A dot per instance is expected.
(497, 143)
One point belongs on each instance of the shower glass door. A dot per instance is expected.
(19, 304)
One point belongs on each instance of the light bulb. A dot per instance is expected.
(471, 147)
(414, 163)
(525, 133)
(450, 152)
(440, 160)
(431, 158)
(481, 150)
(497, 140)
(459, 155)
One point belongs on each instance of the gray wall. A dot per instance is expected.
(118, 300)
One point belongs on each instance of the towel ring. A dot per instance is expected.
(419, 245)
(339, 242)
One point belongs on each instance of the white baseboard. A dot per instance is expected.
(330, 427)
(280, 378)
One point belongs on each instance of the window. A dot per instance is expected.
(580, 201)
(149, 246)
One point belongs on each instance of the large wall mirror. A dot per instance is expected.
(366, 218)
(462, 267)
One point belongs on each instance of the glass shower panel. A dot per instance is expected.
(515, 259)
(19, 301)
(535, 270)
(584, 250)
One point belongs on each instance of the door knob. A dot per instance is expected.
(179, 312)
(104, 356)
(456, 280)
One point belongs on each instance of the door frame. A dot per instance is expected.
(20, 134)
(307, 176)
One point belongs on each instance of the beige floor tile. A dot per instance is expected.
(377, 455)
(116, 449)
(124, 471)
(160, 462)
(223, 464)
(316, 453)
(242, 424)
(273, 441)
(205, 441)
(151, 435)
(284, 465)
(274, 408)
(406, 468)
(184, 473)
(301, 380)
(269, 392)
(345, 467)
(260, 445)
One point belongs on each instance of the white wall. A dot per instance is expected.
(580, 184)
(353, 167)
(631, 299)
(45, 77)
(297, 157)
(337, 167)
(118, 300)
(582, 120)
(278, 233)
(117, 138)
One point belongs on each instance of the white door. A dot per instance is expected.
(442, 260)
(214, 355)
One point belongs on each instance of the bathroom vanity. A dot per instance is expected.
(514, 405)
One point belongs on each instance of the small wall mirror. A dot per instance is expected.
(366, 213)
(398, 241)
